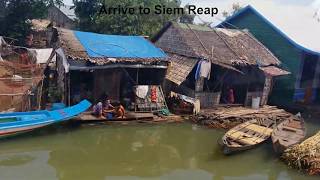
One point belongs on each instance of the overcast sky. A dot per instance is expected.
(225, 5)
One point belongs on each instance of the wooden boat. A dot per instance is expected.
(288, 133)
(247, 135)
(19, 122)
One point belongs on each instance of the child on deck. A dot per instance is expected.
(98, 109)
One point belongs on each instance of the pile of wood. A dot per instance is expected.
(305, 156)
(227, 117)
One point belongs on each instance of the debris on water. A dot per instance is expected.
(195, 127)
(136, 145)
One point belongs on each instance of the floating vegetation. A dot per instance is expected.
(305, 156)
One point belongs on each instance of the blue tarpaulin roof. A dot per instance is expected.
(116, 46)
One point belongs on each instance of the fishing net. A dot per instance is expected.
(19, 77)
(305, 156)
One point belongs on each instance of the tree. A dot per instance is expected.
(86, 11)
(16, 16)
(187, 18)
(235, 8)
(123, 23)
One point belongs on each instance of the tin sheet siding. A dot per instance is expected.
(289, 55)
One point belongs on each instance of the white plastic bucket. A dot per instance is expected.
(255, 103)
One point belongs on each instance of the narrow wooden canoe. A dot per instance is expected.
(247, 135)
(19, 122)
(288, 133)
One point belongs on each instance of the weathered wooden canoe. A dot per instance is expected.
(247, 135)
(19, 122)
(288, 133)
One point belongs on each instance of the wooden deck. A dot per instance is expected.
(130, 116)
(87, 117)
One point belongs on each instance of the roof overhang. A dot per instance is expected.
(274, 71)
(112, 66)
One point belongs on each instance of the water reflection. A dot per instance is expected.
(136, 152)
(26, 165)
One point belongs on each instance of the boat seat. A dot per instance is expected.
(260, 129)
(289, 129)
(245, 138)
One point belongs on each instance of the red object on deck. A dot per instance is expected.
(231, 96)
(154, 94)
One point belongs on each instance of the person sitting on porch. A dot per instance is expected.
(108, 105)
(119, 111)
(98, 109)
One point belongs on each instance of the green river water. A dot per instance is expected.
(116, 152)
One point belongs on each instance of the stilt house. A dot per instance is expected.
(91, 65)
(238, 61)
(292, 35)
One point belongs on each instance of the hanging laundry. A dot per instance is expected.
(65, 63)
(205, 69)
(197, 75)
(142, 91)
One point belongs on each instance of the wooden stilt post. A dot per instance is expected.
(137, 76)
(69, 91)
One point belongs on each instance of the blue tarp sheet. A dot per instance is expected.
(101, 45)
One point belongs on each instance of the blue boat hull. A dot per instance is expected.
(13, 123)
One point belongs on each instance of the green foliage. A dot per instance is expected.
(15, 16)
(187, 18)
(130, 24)
(86, 11)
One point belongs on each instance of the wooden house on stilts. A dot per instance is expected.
(127, 69)
(236, 61)
(294, 39)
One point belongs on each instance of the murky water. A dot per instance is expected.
(170, 151)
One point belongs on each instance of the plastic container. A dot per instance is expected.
(109, 116)
(255, 102)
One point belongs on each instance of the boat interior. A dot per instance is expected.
(250, 133)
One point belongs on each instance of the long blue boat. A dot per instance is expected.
(19, 122)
